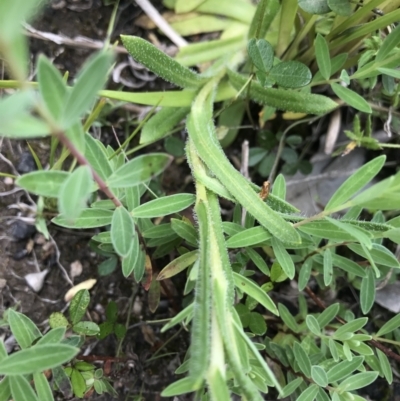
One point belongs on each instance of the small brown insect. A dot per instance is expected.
(265, 190)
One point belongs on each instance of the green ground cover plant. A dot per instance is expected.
(325, 355)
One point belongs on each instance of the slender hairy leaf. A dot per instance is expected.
(389, 326)
(319, 375)
(131, 261)
(323, 56)
(139, 170)
(37, 359)
(352, 98)
(291, 387)
(305, 273)
(367, 292)
(23, 329)
(96, 156)
(352, 326)
(287, 318)
(185, 230)
(313, 325)
(344, 368)
(389, 44)
(380, 255)
(122, 231)
(43, 183)
(162, 123)
(42, 386)
(89, 81)
(385, 366)
(181, 386)
(161, 64)
(74, 193)
(54, 336)
(302, 359)
(164, 206)
(52, 87)
(356, 182)
(283, 258)
(328, 267)
(252, 289)
(89, 218)
(284, 99)
(251, 236)
(21, 390)
(177, 265)
(328, 314)
(358, 380)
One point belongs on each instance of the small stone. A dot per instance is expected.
(21, 230)
(36, 280)
(26, 163)
(3, 283)
(76, 269)
(8, 181)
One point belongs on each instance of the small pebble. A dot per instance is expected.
(21, 230)
(26, 163)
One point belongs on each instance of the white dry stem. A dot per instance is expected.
(333, 131)
(166, 28)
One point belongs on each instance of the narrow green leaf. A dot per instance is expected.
(21, 390)
(261, 54)
(122, 231)
(78, 306)
(390, 43)
(262, 18)
(363, 236)
(309, 394)
(42, 387)
(355, 182)
(344, 368)
(357, 381)
(284, 99)
(43, 183)
(37, 359)
(164, 206)
(181, 386)
(367, 292)
(177, 265)
(258, 260)
(389, 326)
(54, 336)
(328, 267)
(279, 187)
(252, 289)
(23, 329)
(139, 170)
(302, 359)
(328, 314)
(78, 383)
(95, 154)
(74, 193)
(5, 391)
(287, 318)
(291, 387)
(257, 324)
(130, 261)
(291, 74)
(333, 349)
(319, 375)
(323, 56)
(90, 80)
(305, 273)
(391, 72)
(160, 231)
(380, 255)
(89, 218)
(52, 87)
(352, 98)
(348, 266)
(218, 386)
(283, 258)
(161, 64)
(162, 123)
(352, 326)
(385, 365)
(185, 230)
(313, 324)
(249, 237)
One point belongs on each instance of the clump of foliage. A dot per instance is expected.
(325, 355)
